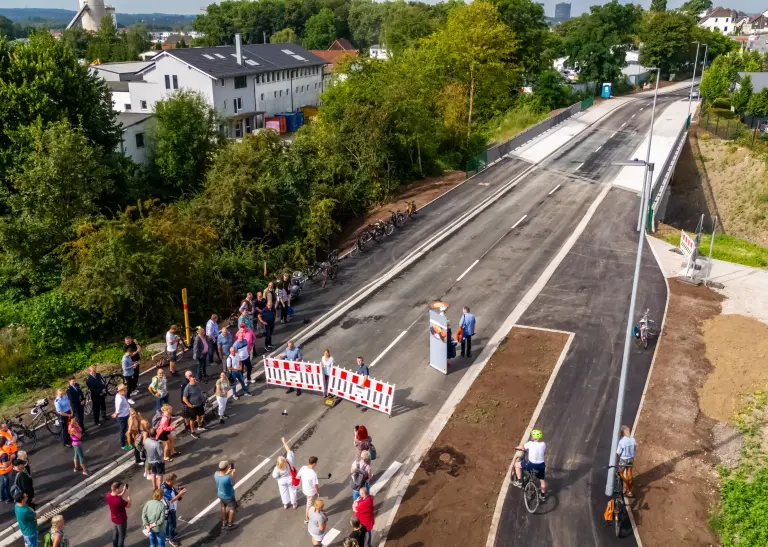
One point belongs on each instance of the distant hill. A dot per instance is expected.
(56, 18)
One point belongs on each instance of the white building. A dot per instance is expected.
(379, 52)
(245, 83)
(633, 70)
(722, 20)
(90, 14)
(135, 136)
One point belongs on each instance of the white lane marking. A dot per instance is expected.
(613, 134)
(483, 183)
(467, 270)
(519, 221)
(642, 108)
(633, 115)
(399, 486)
(598, 148)
(580, 166)
(202, 513)
(554, 190)
(388, 474)
(330, 536)
(625, 123)
(389, 347)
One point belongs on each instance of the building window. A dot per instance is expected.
(241, 82)
(725, 29)
(258, 78)
(278, 76)
(286, 91)
(302, 89)
(297, 90)
(175, 82)
(167, 82)
(247, 125)
(262, 96)
(238, 104)
(275, 94)
(139, 140)
(281, 92)
(127, 107)
(144, 105)
(238, 129)
(225, 105)
(222, 82)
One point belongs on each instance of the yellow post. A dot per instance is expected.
(186, 312)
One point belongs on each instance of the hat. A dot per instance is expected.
(223, 464)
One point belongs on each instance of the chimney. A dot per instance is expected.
(239, 48)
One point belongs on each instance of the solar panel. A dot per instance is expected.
(207, 56)
(251, 62)
(299, 57)
(287, 51)
(219, 55)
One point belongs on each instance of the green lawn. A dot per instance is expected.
(728, 248)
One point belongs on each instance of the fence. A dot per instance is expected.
(495, 153)
(725, 127)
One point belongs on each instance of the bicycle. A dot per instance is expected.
(113, 381)
(411, 210)
(333, 257)
(378, 231)
(397, 218)
(620, 513)
(329, 272)
(88, 407)
(532, 495)
(45, 417)
(643, 330)
(25, 436)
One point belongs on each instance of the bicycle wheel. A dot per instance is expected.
(361, 242)
(621, 514)
(112, 385)
(88, 404)
(27, 438)
(645, 341)
(401, 218)
(378, 235)
(390, 229)
(332, 271)
(52, 423)
(531, 496)
(354, 251)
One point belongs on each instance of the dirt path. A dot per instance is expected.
(451, 499)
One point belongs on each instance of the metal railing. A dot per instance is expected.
(659, 196)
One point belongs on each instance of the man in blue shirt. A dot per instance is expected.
(64, 410)
(212, 333)
(224, 341)
(267, 318)
(292, 353)
(225, 479)
(364, 371)
(467, 323)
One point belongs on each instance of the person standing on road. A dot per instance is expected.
(293, 353)
(58, 537)
(6, 468)
(244, 354)
(122, 410)
(127, 366)
(118, 500)
(225, 489)
(212, 333)
(270, 295)
(133, 435)
(153, 519)
(259, 304)
(224, 341)
(246, 310)
(77, 402)
(282, 474)
(159, 389)
(467, 325)
(359, 532)
(184, 413)
(282, 301)
(222, 396)
(23, 480)
(318, 523)
(26, 519)
(310, 486)
(361, 473)
(76, 434)
(98, 389)
(64, 410)
(9, 440)
(133, 346)
(235, 368)
(363, 371)
(200, 354)
(154, 451)
(194, 399)
(626, 453)
(327, 361)
(171, 346)
(267, 318)
(165, 433)
(362, 507)
(250, 337)
(172, 496)
(362, 440)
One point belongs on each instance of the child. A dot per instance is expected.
(76, 434)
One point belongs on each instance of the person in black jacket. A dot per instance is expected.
(98, 389)
(200, 350)
(77, 400)
(23, 481)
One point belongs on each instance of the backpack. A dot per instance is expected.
(372, 449)
(156, 419)
(15, 488)
(608, 514)
(357, 478)
(295, 481)
(48, 540)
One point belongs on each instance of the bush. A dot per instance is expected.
(722, 103)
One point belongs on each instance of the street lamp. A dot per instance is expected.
(630, 320)
(704, 64)
(693, 79)
(650, 138)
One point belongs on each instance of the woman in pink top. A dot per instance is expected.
(165, 433)
(76, 434)
(248, 335)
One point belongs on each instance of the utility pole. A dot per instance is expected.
(693, 79)
(641, 216)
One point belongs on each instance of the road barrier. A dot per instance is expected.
(360, 390)
(296, 374)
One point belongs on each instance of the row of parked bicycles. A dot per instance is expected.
(378, 230)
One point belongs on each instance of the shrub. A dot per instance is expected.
(722, 102)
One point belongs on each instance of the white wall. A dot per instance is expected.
(153, 88)
(128, 144)
(303, 89)
(725, 25)
(120, 99)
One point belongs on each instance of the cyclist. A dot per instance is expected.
(535, 461)
(626, 453)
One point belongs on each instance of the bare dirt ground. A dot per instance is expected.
(452, 497)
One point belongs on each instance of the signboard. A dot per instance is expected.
(438, 341)
(686, 244)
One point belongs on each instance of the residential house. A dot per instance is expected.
(173, 41)
(135, 129)
(379, 52)
(635, 72)
(339, 49)
(723, 20)
(342, 44)
(245, 83)
(755, 24)
(130, 71)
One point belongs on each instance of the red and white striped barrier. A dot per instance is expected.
(368, 392)
(296, 374)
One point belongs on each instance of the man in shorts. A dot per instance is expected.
(184, 407)
(194, 402)
(171, 345)
(154, 450)
(225, 489)
(536, 449)
(309, 485)
(626, 453)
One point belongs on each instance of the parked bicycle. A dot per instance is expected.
(643, 330)
(88, 408)
(333, 257)
(113, 381)
(25, 436)
(378, 230)
(43, 416)
(530, 487)
(329, 272)
(410, 209)
(620, 514)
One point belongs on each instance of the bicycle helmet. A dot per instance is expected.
(536, 434)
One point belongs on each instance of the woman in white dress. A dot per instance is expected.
(282, 474)
(327, 362)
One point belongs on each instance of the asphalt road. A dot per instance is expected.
(509, 261)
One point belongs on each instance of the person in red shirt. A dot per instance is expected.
(363, 510)
(118, 500)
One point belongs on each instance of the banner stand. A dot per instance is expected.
(438, 337)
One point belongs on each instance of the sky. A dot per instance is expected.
(193, 6)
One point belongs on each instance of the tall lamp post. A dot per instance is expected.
(693, 79)
(650, 138)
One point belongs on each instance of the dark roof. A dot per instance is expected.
(127, 119)
(175, 39)
(220, 62)
(724, 12)
(341, 44)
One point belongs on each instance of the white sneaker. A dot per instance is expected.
(134, 392)
(131, 401)
(200, 429)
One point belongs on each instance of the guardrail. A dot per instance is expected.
(660, 198)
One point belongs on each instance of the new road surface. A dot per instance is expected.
(484, 244)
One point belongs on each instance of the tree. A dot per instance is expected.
(181, 44)
(106, 45)
(285, 36)
(6, 28)
(666, 37)
(758, 104)
(695, 8)
(365, 21)
(535, 46)
(320, 31)
(658, 6)
(741, 98)
(77, 39)
(717, 78)
(184, 136)
(404, 25)
(550, 90)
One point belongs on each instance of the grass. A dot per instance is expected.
(513, 122)
(727, 248)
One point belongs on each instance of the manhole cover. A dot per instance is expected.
(445, 457)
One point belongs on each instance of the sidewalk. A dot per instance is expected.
(745, 288)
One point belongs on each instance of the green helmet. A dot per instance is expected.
(536, 434)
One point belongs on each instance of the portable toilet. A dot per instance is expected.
(606, 94)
